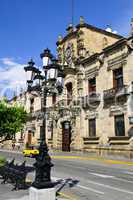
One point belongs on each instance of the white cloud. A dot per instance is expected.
(12, 76)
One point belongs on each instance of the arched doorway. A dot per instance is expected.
(66, 136)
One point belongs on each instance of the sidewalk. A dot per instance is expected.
(7, 194)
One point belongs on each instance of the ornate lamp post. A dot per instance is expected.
(45, 85)
(31, 71)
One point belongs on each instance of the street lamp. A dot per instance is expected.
(31, 71)
(53, 75)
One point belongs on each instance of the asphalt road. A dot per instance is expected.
(98, 180)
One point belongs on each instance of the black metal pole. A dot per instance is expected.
(43, 161)
(43, 110)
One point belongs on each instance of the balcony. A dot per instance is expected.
(91, 100)
(119, 140)
(114, 93)
(90, 143)
(91, 140)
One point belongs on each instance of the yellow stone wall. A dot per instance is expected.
(99, 68)
(94, 41)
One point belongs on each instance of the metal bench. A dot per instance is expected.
(15, 174)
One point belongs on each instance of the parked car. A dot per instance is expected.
(31, 151)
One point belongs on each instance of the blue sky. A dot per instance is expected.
(29, 26)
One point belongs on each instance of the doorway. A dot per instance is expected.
(66, 136)
(29, 139)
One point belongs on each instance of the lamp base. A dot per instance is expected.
(43, 185)
(36, 194)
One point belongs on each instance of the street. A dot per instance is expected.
(98, 179)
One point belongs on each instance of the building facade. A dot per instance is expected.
(91, 114)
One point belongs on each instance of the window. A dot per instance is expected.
(92, 127)
(92, 85)
(118, 78)
(119, 125)
(69, 93)
(31, 105)
(53, 99)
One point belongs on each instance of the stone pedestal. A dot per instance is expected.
(41, 194)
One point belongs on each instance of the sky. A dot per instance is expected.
(29, 26)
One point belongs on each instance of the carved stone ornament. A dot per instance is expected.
(101, 58)
(103, 140)
(60, 50)
(69, 54)
(130, 44)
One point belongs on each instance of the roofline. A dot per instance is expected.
(72, 34)
(89, 26)
(69, 35)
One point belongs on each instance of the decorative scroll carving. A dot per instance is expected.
(69, 54)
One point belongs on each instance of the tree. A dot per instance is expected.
(12, 120)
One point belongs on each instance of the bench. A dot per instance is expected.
(15, 174)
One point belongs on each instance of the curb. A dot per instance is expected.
(107, 161)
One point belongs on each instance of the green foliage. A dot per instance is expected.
(12, 120)
(2, 161)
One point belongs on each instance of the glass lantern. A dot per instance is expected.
(52, 70)
(31, 71)
(46, 57)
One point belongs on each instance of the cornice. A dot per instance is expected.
(115, 45)
(99, 30)
(89, 59)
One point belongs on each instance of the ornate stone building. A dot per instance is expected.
(91, 114)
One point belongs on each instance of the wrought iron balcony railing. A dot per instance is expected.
(114, 92)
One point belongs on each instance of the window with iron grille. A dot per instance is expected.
(119, 125)
(92, 127)
(118, 78)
